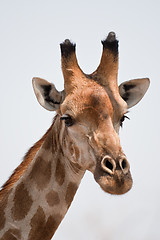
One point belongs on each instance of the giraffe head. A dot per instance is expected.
(91, 109)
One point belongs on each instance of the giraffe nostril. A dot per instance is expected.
(124, 163)
(109, 165)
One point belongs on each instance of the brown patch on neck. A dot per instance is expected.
(71, 190)
(52, 198)
(41, 229)
(41, 173)
(22, 202)
(19, 171)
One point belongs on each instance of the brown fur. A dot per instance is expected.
(22, 202)
(48, 142)
(42, 230)
(19, 171)
(60, 172)
(2, 213)
(96, 109)
(71, 148)
(11, 234)
(71, 190)
(41, 173)
(52, 198)
(106, 73)
(76, 151)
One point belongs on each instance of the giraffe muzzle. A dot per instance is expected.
(113, 175)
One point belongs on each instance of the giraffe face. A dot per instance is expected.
(92, 108)
(91, 122)
(91, 116)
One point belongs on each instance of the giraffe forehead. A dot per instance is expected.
(98, 99)
(88, 98)
(105, 102)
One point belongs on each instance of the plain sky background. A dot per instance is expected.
(30, 33)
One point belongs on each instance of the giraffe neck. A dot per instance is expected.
(36, 204)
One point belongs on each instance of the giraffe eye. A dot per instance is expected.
(67, 119)
(122, 120)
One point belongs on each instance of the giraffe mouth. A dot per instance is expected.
(117, 184)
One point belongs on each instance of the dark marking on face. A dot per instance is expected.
(128, 87)
(3, 204)
(22, 202)
(67, 48)
(95, 100)
(41, 229)
(52, 198)
(11, 234)
(60, 172)
(71, 190)
(105, 116)
(41, 173)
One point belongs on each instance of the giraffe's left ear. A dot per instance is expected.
(47, 95)
(133, 91)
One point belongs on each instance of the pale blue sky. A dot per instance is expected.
(30, 33)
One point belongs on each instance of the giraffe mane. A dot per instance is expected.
(19, 171)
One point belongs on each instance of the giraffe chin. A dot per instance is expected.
(117, 184)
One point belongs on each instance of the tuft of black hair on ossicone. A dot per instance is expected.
(67, 48)
(111, 43)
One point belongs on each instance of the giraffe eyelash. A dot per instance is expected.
(122, 119)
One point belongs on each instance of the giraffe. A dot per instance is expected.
(84, 136)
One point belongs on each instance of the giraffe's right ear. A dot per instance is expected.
(47, 95)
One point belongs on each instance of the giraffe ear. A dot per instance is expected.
(133, 91)
(47, 95)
